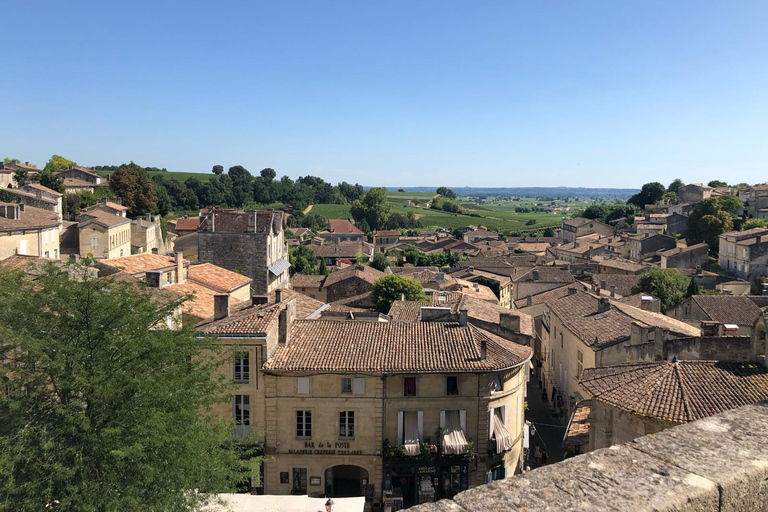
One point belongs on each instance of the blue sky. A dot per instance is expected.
(401, 93)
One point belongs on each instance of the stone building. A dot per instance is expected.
(38, 196)
(339, 284)
(532, 281)
(30, 231)
(342, 230)
(694, 193)
(79, 179)
(146, 235)
(733, 315)
(641, 247)
(251, 242)
(579, 226)
(664, 394)
(685, 257)
(104, 235)
(744, 254)
(384, 239)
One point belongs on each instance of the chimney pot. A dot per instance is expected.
(613, 290)
(220, 306)
(463, 314)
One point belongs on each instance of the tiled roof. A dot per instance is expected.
(30, 218)
(623, 283)
(201, 305)
(364, 272)
(532, 246)
(342, 250)
(342, 226)
(366, 347)
(41, 188)
(386, 232)
(307, 281)
(217, 278)
(20, 261)
(543, 275)
(189, 224)
(115, 206)
(102, 218)
(578, 222)
(138, 263)
(728, 309)
(579, 313)
(678, 391)
(622, 264)
(636, 299)
(299, 231)
(578, 428)
(77, 183)
(680, 250)
(549, 295)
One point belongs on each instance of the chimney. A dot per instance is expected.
(509, 322)
(613, 291)
(435, 314)
(571, 290)
(155, 250)
(698, 270)
(646, 301)
(529, 300)
(220, 306)
(278, 295)
(153, 278)
(535, 275)
(440, 277)
(463, 314)
(765, 288)
(180, 278)
(483, 349)
(603, 305)
(730, 330)
(287, 316)
(603, 285)
(257, 300)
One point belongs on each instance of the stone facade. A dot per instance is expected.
(744, 254)
(686, 257)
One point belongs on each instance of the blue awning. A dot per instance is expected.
(279, 267)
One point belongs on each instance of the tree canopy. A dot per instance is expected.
(372, 208)
(669, 286)
(389, 288)
(133, 185)
(717, 183)
(675, 185)
(217, 169)
(649, 194)
(302, 260)
(57, 163)
(446, 192)
(707, 220)
(104, 408)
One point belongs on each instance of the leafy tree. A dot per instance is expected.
(389, 288)
(323, 270)
(302, 260)
(596, 211)
(446, 192)
(411, 254)
(730, 204)
(372, 208)
(669, 286)
(700, 230)
(217, 169)
(717, 183)
(359, 258)
(649, 194)
(268, 174)
(103, 407)
(133, 185)
(756, 223)
(675, 185)
(693, 288)
(50, 180)
(530, 222)
(380, 261)
(712, 226)
(628, 211)
(669, 198)
(57, 163)
(350, 192)
(21, 177)
(457, 233)
(11, 160)
(549, 233)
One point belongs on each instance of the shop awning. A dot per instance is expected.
(411, 433)
(501, 434)
(454, 440)
(279, 267)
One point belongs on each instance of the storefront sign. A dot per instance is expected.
(326, 448)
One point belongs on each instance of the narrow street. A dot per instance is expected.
(549, 430)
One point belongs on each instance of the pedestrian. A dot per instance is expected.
(543, 457)
(537, 455)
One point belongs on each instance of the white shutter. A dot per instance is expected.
(442, 420)
(463, 421)
(504, 411)
(400, 427)
(358, 386)
(302, 385)
(490, 423)
(421, 426)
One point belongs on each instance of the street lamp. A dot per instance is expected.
(329, 505)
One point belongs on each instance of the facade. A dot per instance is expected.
(694, 193)
(383, 239)
(78, 179)
(251, 242)
(342, 251)
(744, 254)
(735, 313)
(146, 235)
(28, 231)
(532, 281)
(686, 257)
(342, 230)
(340, 284)
(579, 226)
(643, 246)
(38, 196)
(104, 235)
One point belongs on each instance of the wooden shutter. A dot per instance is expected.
(358, 386)
(442, 420)
(463, 421)
(302, 385)
(400, 427)
(421, 426)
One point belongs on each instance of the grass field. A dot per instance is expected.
(170, 175)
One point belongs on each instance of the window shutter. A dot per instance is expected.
(421, 426)
(490, 423)
(400, 427)
(358, 386)
(442, 420)
(302, 385)
(463, 421)
(504, 411)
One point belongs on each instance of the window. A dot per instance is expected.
(346, 385)
(579, 363)
(347, 425)
(241, 369)
(302, 385)
(409, 386)
(300, 480)
(498, 385)
(561, 340)
(242, 409)
(452, 385)
(303, 424)
(94, 242)
(551, 359)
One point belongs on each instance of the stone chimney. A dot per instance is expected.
(153, 278)
(509, 322)
(220, 306)
(483, 349)
(603, 285)
(440, 277)
(463, 315)
(603, 305)
(535, 275)
(286, 319)
(571, 290)
(180, 277)
(155, 250)
(613, 291)
(646, 302)
(278, 295)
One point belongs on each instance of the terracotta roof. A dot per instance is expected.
(307, 281)
(77, 183)
(622, 264)
(579, 313)
(103, 218)
(680, 250)
(299, 231)
(366, 347)
(623, 283)
(677, 391)
(728, 309)
(115, 206)
(543, 275)
(20, 261)
(364, 272)
(30, 218)
(577, 433)
(532, 246)
(342, 250)
(342, 226)
(549, 295)
(217, 277)
(386, 232)
(139, 263)
(579, 221)
(189, 224)
(201, 305)
(40, 187)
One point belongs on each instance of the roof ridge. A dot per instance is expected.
(683, 394)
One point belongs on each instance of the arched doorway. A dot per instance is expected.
(345, 481)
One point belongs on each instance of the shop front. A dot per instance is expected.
(411, 482)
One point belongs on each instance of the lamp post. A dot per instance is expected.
(329, 505)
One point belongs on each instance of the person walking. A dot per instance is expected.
(537, 455)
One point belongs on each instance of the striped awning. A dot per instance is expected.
(279, 267)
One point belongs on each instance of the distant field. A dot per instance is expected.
(170, 175)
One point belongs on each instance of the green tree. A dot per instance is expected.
(675, 185)
(11, 160)
(268, 174)
(669, 286)
(596, 211)
(712, 226)
(649, 194)
(50, 180)
(693, 288)
(132, 184)
(756, 223)
(446, 192)
(57, 163)
(717, 183)
(302, 260)
(103, 407)
(700, 230)
(372, 208)
(380, 261)
(389, 288)
(550, 233)
(21, 177)
(217, 169)
(359, 258)
(323, 270)
(730, 204)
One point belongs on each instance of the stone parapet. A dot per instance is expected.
(716, 464)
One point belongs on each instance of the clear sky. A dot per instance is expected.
(610, 93)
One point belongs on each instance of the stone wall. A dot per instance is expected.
(716, 464)
(243, 252)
